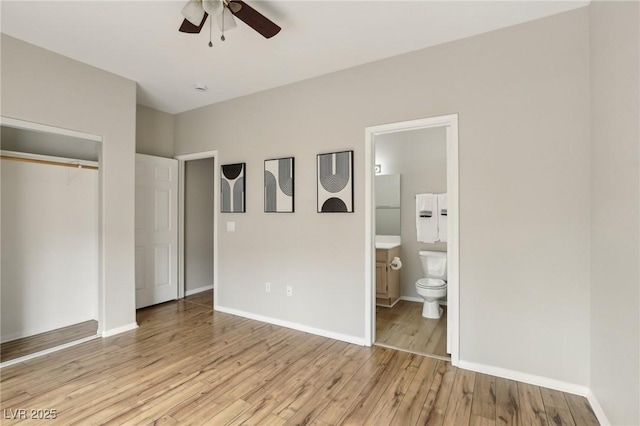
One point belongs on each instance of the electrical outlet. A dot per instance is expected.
(289, 290)
(267, 287)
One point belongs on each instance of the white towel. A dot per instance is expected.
(442, 218)
(427, 217)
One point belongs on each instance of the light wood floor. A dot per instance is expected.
(189, 365)
(40, 342)
(404, 327)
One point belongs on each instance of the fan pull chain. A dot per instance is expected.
(210, 43)
(222, 36)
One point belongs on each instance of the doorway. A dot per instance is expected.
(409, 164)
(448, 127)
(197, 229)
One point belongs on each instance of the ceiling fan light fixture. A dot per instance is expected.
(235, 6)
(212, 7)
(224, 11)
(193, 12)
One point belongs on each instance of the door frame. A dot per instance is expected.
(181, 200)
(450, 122)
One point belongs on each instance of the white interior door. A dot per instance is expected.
(156, 230)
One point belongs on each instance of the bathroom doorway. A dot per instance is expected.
(403, 160)
(197, 242)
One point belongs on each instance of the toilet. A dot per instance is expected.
(434, 286)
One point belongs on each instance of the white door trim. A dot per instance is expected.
(216, 191)
(450, 122)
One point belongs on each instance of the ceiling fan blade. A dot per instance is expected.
(254, 19)
(188, 27)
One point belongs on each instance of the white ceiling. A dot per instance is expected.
(139, 40)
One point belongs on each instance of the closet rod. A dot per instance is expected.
(51, 163)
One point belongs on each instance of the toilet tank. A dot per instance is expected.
(434, 264)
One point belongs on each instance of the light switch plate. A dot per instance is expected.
(231, 226)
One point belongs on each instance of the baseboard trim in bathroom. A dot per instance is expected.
(412, 299)
(399, 348)
(295, 326)
(389, 306)
(420, 300)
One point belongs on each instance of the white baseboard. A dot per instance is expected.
(391, 305)
(300, 327)
(198, 290)
(48, 351)
(412, 299)
(421, 300)
(597, 409)
(531, 379)
(118, 330)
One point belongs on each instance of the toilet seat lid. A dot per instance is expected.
(430, 283)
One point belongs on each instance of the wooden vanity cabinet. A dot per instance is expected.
(387, 280)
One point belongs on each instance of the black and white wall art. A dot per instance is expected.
(232, 194)
(335, 182)
(278, 185)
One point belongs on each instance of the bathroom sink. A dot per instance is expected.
(386, 245)
(387, 241)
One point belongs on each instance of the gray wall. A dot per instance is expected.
(615, 209)
(198, 226)
(420, 157)
(154, 132)
(76, 96)
(522, 95)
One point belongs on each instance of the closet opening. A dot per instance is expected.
(50, 227)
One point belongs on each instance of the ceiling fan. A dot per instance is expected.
(196, 12)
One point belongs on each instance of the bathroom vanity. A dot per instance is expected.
(387, 280)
